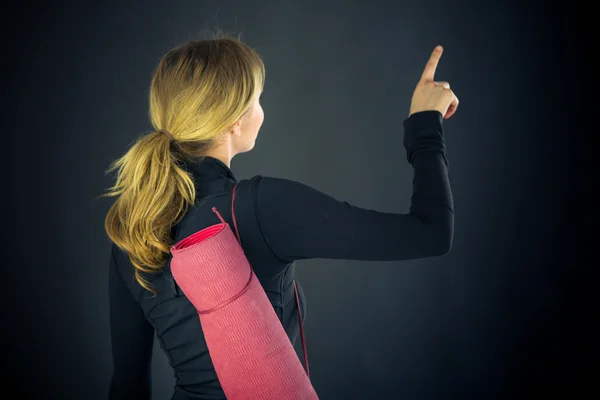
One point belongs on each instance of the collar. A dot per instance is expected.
(208, 170)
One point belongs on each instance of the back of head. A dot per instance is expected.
(198, 91)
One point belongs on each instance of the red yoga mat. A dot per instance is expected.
(251, 352)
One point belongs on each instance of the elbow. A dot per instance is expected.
(445, 248)
(443, 242)
(439, 247)
(438, 233)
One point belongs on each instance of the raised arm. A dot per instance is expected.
(300, 222)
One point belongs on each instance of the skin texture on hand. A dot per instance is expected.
(432, 95)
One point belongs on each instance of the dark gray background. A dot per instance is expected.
(507, 314)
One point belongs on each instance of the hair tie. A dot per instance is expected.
(166, 132)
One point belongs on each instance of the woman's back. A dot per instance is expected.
(172, 316)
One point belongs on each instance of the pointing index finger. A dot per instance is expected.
(429, 72)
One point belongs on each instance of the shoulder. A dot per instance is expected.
(261, 190)
(270, 185)
(270, 191)
(267, 193)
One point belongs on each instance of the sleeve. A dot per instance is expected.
(301, 222)
(132, 338)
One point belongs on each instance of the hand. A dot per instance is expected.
(431, 95)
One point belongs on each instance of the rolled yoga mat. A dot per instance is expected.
(250, 350)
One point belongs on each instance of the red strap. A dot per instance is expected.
(295, 288)
(233, 214)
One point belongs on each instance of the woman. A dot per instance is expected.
(205, 109)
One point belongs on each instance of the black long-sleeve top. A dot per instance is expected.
(280, 221)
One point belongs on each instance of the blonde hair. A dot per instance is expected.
(198, 91)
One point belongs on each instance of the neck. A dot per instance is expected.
(223, 153)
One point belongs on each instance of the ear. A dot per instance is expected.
(237, 129)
